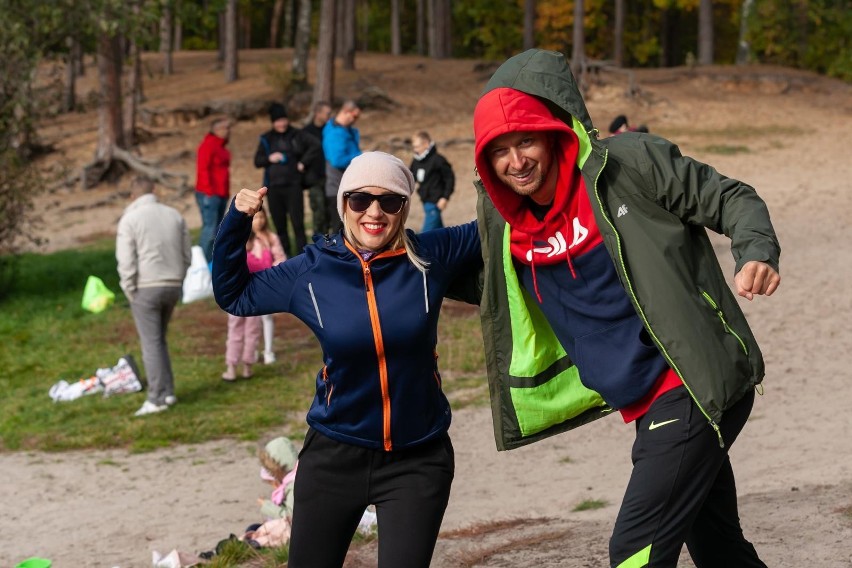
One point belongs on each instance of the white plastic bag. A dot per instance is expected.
(122, 378)
(198, 283)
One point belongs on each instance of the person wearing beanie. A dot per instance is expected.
(602, 295)
(282, 152)
(378, 422)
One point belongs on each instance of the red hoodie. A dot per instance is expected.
(212, 169)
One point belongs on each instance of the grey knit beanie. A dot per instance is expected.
(376, 169)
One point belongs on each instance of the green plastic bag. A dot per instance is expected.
(96, 296)
(35, 562)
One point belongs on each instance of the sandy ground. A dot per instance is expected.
(793, 462)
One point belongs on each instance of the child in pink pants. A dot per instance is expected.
(263, 250)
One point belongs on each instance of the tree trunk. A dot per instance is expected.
(69, 91)
(231, 59)
(421, 28)
(110, 128)
(529, 24)
(221, 17)
(365, 31)
(705, 32)
(303, 44)
(289, 16)
(618, 34)
(244, 33)
(431, 27)
(396, 41)
(578, 49)
(324, 87)
(133, 93)
(79, 59)
(440, 19)
(166, 38)
(177, 44)
(801, 10)
(338, 27)
(743, 45)
(348, 40)
(445, 24)
(275, 24)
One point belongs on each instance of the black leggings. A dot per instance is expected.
(288, 201)
(682, 490)
(335, 482)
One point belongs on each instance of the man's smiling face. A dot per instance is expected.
(524, 161)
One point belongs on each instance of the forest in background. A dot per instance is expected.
(44, 44)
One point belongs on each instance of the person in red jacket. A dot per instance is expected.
(213, 181)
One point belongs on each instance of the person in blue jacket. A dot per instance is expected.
(341, 142)
(378, 423)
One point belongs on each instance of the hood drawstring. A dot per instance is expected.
(425, 293)
(532, 266)
(568, 247)
(567, 259)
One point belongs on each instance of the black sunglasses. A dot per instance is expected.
(391, 203)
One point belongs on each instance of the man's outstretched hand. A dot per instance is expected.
(756, 277)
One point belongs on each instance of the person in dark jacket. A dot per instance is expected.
(434, 177)
(378, 423)
(597, 258)
(283, 152)
(315, 171)
(213, 181)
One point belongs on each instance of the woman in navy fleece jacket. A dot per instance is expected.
(378, 423)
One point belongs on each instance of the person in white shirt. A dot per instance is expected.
(152, 248)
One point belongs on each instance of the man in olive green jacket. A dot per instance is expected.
(602, 292)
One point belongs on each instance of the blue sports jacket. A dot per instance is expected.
(340, 144)
(376, 322)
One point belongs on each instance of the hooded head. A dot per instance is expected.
(278, 457)
(504, 110)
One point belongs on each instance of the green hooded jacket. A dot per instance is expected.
(652, 206)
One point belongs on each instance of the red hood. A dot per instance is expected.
(507, 110)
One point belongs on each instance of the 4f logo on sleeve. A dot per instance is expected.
(622, 211)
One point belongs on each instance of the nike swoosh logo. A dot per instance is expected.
(655, 425)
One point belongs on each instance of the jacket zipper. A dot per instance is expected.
(435, 372)
(378, 340)
(641, 312)
(329, 386)
(718, 310)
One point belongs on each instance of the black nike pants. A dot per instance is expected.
(288, 201)
(335, 482)
(682, 490)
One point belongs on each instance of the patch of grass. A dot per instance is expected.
(233, 552)
(566, 459)
(846, 512)
(590, 504)
(47, 336)
(725, 149)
